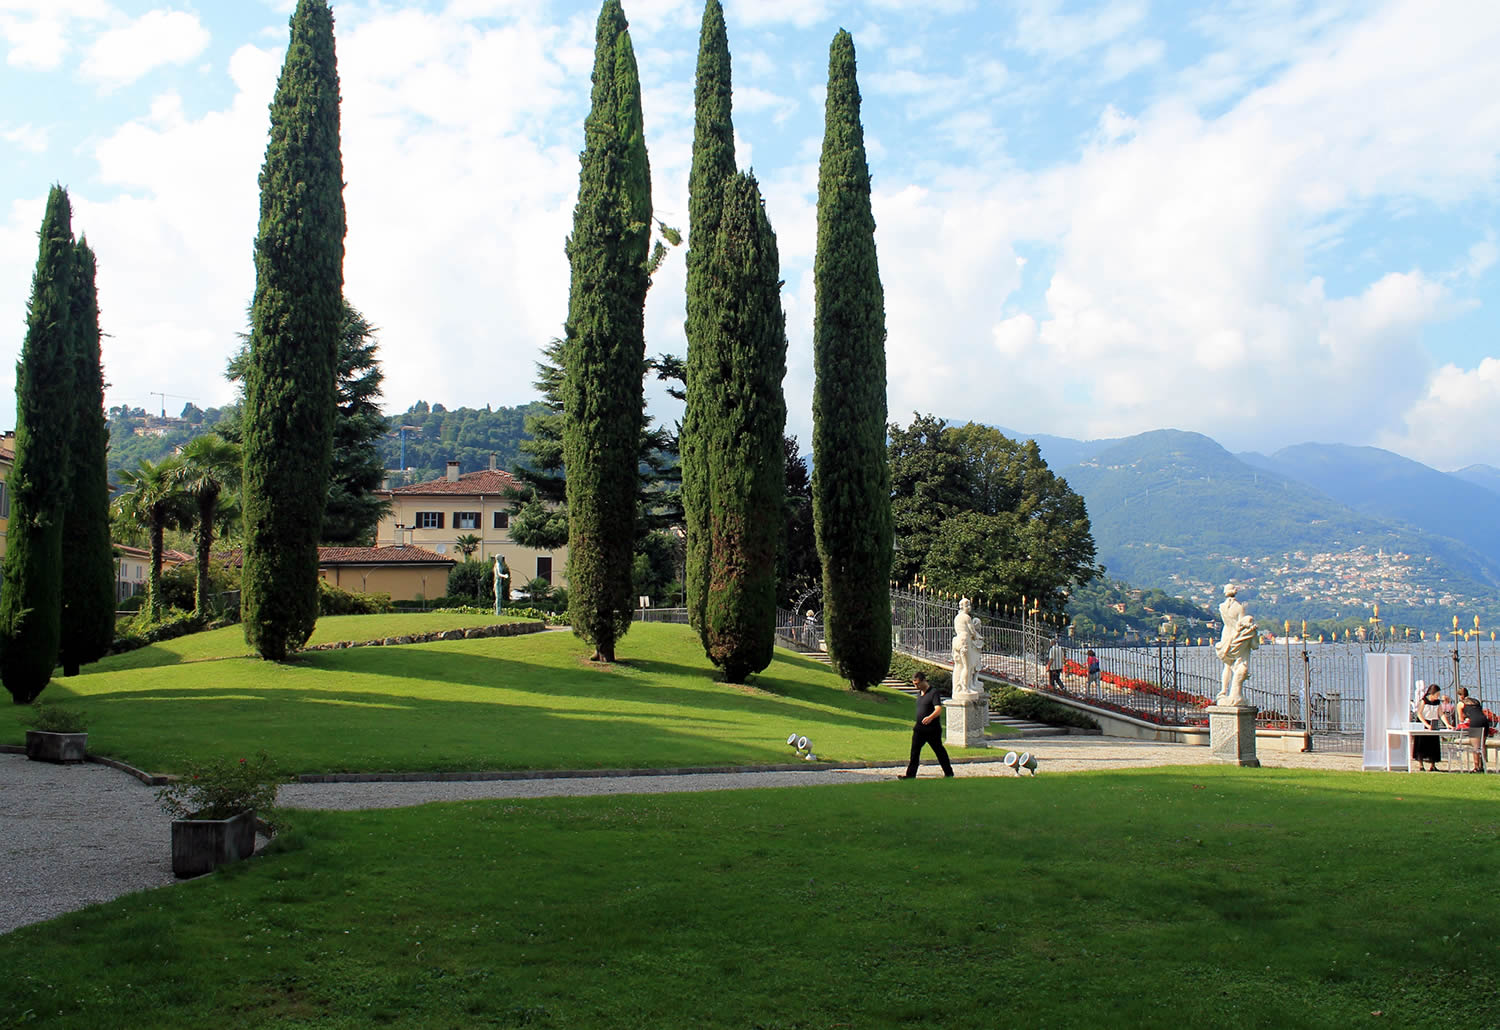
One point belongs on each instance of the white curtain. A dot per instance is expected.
(1388, 687)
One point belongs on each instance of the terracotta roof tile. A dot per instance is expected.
(485, 481)
(356, 556)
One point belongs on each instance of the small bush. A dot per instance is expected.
(56, 719)
(334, 600)
(905, 667)
(1023, 704)
(223, 788)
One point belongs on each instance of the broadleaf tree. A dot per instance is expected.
(295, 314)
(851, 481)
(88, 564)
(31, 598)
(605, 343)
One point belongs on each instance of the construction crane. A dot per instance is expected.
(164, 396)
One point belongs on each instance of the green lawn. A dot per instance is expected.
(229, 642)
(527, 702)
(1204, 897)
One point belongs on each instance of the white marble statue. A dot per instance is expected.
(499, 575)
(1240, 637)
(968, 650)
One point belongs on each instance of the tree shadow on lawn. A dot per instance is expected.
(457, 664)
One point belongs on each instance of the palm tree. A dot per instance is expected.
(210, 466)
(154, 501)
(467, 545)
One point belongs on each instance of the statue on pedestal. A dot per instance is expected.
(1239, 638)
(968, 651)
(500, 574)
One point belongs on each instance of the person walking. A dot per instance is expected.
(928, 729)
(1055, 664)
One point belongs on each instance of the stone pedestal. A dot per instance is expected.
(966, 715)
(1231, 734)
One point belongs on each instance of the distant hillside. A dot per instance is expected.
(1390, 487)
(1176, 511)
(1486, 476)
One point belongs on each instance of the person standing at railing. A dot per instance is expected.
(1092, 668)
(1055, 662)
(1472, 718)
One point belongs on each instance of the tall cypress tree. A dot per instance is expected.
(851, 481)
(744, 339)
(88, 565)
(295, 318)
(713, 167)
(31, 598)
(605, 344)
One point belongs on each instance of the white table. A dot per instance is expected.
(1407, 732)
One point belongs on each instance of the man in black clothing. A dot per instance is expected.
(929, 728)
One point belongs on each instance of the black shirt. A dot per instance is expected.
(926, 702)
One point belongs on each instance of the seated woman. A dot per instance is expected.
(1471, 717)
(1428, 748)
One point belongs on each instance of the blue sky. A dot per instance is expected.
(1270, 221)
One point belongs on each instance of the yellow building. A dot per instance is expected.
(7, 460)
(433, 515)
(406, 573)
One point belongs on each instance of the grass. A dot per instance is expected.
(528, 702)
(229, 642)
(1200, 897)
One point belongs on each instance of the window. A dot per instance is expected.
(502, 520)
(429, 520)
(4, 500)
(544, 568)
(466, 520)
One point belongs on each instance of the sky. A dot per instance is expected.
(1269, 221)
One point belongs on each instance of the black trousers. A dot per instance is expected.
(932, 736)
(1054, 678)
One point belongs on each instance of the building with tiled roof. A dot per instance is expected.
(434, 514)
(406, 573)
(7, 461)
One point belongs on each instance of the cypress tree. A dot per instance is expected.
(295, 319)
(744, 339)
(851, 480)
(88, 564)
(31, 598)
(605, 343)
(712, 168)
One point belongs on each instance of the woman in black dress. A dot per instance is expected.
(1428, 747)
(1471, 711)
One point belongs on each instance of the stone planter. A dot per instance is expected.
(202, 845)
(47, 746)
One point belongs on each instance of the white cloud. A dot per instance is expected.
(800, 14)
(1044, 30)
(124, 54)
(27, 138)
(1456, 420)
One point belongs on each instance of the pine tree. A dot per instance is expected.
(605, 343)
(31, 598)
(353, 511)
(713, 166)
(744, 337)
(851, 481)
(295, 316)
(88, 564)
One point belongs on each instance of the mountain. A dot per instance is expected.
(1061, 451)
(1178, 512)
(1396, 489)
(1486, 476)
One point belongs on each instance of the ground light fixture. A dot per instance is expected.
(802, 745)
(1010, 760)
(1027, 761)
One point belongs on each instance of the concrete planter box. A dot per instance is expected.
(47, 746)
(202, 845)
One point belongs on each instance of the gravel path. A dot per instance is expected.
(75, 835)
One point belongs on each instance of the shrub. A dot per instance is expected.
(904, 667)
(1023, 704)
(473, 581)
(222, 788)
(334, 600)
(56, 719)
